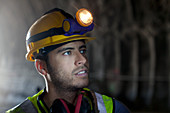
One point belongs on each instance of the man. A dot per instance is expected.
(57, 44)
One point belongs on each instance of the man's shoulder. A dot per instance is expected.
(111, 104)
(27, 106)
(120, 107)
(24, 107)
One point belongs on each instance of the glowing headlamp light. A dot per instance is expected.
(84, 17)
(81, 24)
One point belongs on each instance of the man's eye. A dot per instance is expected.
(83, 51)
(67, 53)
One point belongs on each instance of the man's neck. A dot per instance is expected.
(51, 94)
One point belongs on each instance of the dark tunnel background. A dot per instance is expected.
(129, 60)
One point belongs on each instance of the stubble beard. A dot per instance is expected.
(60, 82)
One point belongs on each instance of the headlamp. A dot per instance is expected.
(84, 17)
(82, 23)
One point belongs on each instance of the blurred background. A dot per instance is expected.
(129, 60)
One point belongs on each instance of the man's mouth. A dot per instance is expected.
(82, 73)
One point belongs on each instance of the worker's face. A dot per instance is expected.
(68, 66)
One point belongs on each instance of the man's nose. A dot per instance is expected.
(80, 59)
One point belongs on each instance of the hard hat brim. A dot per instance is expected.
(56, 39)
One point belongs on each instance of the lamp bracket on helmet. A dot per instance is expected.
(82, 23)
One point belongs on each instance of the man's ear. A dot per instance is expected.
(41, 66)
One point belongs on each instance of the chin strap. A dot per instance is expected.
(83, 104)
(78, 105)
(60, 105)
(65, 105)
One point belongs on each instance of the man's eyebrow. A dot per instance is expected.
(83, 46)
(70, 48)
(64, 49)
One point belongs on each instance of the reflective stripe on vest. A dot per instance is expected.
(25, 107)
(104, 103)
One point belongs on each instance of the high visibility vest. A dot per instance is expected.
(104, 104)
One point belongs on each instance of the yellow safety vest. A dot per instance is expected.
(104, 104)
